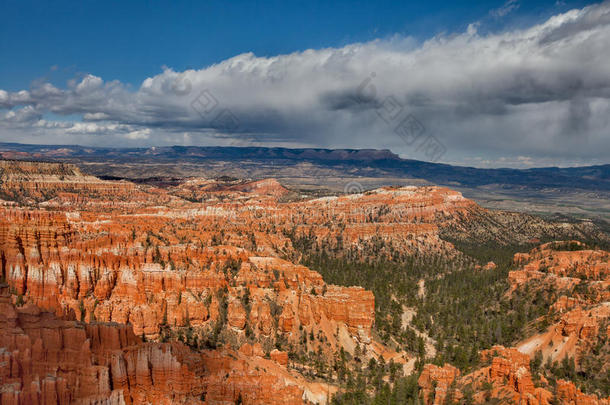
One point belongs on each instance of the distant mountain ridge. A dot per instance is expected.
(369, 162)
(206, 152)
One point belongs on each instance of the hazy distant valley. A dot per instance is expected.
(580, 192)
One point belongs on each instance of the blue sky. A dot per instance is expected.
(496, 83)
(132, 40)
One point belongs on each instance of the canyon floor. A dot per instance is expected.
(220, 290)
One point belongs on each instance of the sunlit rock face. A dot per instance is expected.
(105, 268)
(114, 279)
(115, 263)
(576, 319)
(146, 256)
(51, 360)
(583, 278)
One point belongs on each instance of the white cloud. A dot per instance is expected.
(22, 115)
(138, 134)
(541, 92)
(89, 84)
(96, 116)
(508, 7)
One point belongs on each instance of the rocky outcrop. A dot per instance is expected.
(41, 181)
(94, 271)
(435, 382)
(567, 393)
(487, 266)
(563, 267)
(583, 323)
(576, 320)
(159, 264)
(578, 314)
(270, 187)
(63, 185)
(50, 360)
(510, 375)
(279, 357)
(205, 262)
(507, 379)
(43, 261)
(122, 268)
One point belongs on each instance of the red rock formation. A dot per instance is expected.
(49, 360)
(435, 381)
(567, 393)
(509, 367)
(579, 316)
(564, 267)
(201, 252)
(56, 361)
(237, 315)
(487, 266)
(269, 187)
(579, 320)
(582, 323)
(147, 265)
(39, 181)
(50, 258)
(508, 376)
(279, 357)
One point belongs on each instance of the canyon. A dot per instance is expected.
(96, 252)
(117, 292)
(578, 319)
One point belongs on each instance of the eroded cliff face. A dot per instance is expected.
(407, 219)
(581, 277)
(507, 379)
(210, 269)
(435, 382)
(48, 360)
(179, 271)
(36, 182)
(176, 264)
(57, 266)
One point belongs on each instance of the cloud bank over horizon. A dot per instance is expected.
(528, 97)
